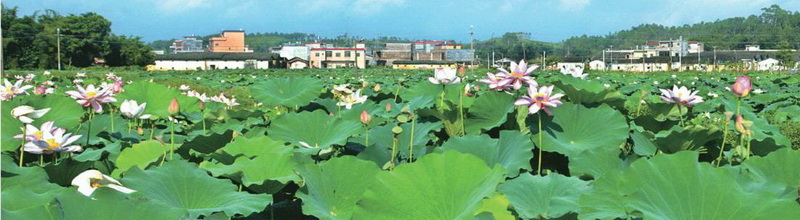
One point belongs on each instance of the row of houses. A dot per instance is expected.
(762, 62)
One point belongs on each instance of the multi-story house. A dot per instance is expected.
(229, 42)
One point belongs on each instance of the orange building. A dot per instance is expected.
(229, 42)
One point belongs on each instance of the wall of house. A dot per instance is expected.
(207, 64)
(229, 41)
(290, 52)
(298, 65)
(423, 66)
(318, 58)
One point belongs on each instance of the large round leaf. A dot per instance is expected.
(512, 150)
(182, 185)
(575, 128)
(315, 128)
(10, 126)
(595, 162)
(289, 92)
(448, 186)
(676, 186)
(107, 204)
(140, 155)
(550, 196)
(259, 159)
(332, 188)
(158, 97)
(64, 111)
(779, 172)
(488, 111)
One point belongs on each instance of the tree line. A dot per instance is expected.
(30, 42)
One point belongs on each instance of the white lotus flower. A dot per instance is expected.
(132, 109)
(26, 114)
(80, 75)
(184, 88)
(46, 73)
(759, 91)
(606, 85)
(351, 99)
(445, 76)
(202, 97)
(90, 180)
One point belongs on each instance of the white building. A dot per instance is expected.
(210, 61)
(570, 65)
(770, 65)
(597, 65)
(300, 51)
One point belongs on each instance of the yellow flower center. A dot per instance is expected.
(52, 144)
(517, 74)
(38, 135)
(95, 183)
(91, 94)
(539, 98)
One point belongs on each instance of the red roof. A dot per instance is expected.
(338, 49)
(450, 45)
(653, 43)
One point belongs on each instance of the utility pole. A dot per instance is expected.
(715, 57)
(58, 47)
(611, 57)
(472, 44)
(544, 58)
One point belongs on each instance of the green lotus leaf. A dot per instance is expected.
(316, 128)
(779, 172)
(692, 137)
(767, 137)
(575, 128)
(495, 207)
(604, 200)
(551, 196)
(64, 111)
(448, 185)
(140, 155)
(488, 111)
(423, 89)
(676, 186)
(180, 184)
(512, 150)
(26, 192)
(595, 162)
(381, 142)
(10, 126)
(332, 188)
(107, 204)
(289, 91)
(588, 92)
(643, 144)
(158, 97)
(259, 159)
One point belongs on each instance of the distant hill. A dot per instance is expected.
(775, 28)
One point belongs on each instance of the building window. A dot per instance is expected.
(338, 54)
(347, 54)
(316, 54)
(328, 54)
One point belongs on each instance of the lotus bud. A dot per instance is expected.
(462, 71)
(365, 117)
(388, 107)
(728, 116)
(174, 107)
(40, 90)
(377, 87)
(740, 124)
(201, 105)
(140, 130)
(742, 86)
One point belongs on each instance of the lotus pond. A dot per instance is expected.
(396, 144)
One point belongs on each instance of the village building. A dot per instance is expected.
(336, 57)
(392, 52)
(230, 41)
(297, 63)
(423, 64)
(189, 44)
(597, 65)
(212, 61)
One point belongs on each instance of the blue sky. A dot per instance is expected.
(547, 20)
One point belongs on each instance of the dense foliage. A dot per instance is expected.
(30, 42)
(396, 144)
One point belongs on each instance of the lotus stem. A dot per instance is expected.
(539, 166)
(203, 118)
(411, 139)
(748, 147)
(41, 160)
(680, 113)
(394, 153)
(89, 127)
(111, 113)
(152, 130)
(366, 142)
(722, 146)
(397, 91)
(461, 112)
(22, 145)
(171, 139)
(639, 107)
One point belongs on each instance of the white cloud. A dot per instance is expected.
(374, 6)
(679, 12)
(573, 4)
(182, 5)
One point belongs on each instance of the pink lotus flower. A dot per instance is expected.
(42, 90)
(494, 81)
(742, 86)
(92, 96)
(8, 90)
(49, 139)
(520, 73)
(682, 96)
(230, 102)
(540, 99)
(202, 97)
